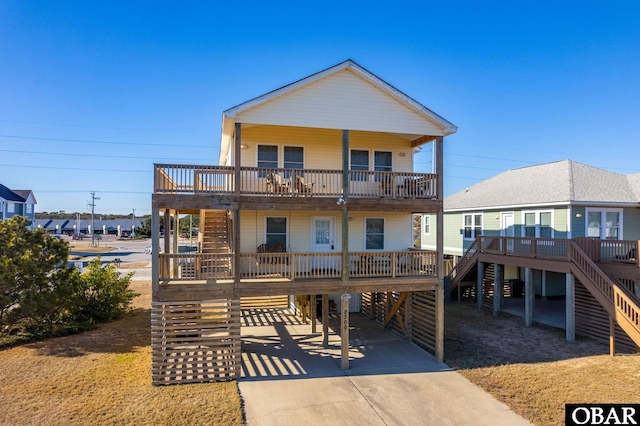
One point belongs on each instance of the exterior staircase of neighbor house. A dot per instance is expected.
(610, 291)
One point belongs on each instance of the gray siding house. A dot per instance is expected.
(16, 203)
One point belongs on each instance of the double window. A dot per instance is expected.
(537, 224)
(472, 225)
(269, 158)
(360, 161)
(374, 234)
(605, 224)
(276, 231)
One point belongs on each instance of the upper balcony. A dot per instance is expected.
(304, 188)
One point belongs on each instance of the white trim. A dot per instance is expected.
(602, 223)
(543, 205)
(502, 215)
(569, 223)
(424, 224)
(537, 223)
(473, 214)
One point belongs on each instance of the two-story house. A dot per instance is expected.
(312, 200)
(17, 203)
(545, 225)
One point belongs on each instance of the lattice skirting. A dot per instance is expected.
(195, 342)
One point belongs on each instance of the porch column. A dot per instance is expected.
(176, 233)
(480, 287)
(529, 296)
(570, 307)
(439, 350)
(325, 320)
(498, 288)
(167, 242)
(155, 248)
(344, 311)
(544, 285)
(236, 211)
(312, 311)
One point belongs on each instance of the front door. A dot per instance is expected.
(323, 241)
(507, 228)
(322, 234)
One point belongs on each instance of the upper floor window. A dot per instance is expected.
(29, 208)
(374, 234)
(382, 161)
(293, 157)
(359, 162)
(605, 224)
(268, 156)
(11, 207)
(538, 224)
(472, 225)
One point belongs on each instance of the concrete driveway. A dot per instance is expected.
(289, 378)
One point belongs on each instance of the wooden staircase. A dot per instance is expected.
(614, 295)
(215, 239)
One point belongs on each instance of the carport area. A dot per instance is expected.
(289, 377)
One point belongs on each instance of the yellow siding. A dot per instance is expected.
(323, 147)
(341, 101)
(398, 231)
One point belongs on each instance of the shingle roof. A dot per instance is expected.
(558, 182)
(10, 195)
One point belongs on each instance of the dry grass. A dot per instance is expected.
(104, 377)
(135, 265)
(535, 371)
(88, 249)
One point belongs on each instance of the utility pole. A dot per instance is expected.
(93, 206)
(133, 222)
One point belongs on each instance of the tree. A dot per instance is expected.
(30, 262)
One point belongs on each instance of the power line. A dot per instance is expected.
(78, 168)
(105, 142)
(103, 127)
(98, 155)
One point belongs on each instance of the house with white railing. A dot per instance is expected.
(310, 206)
(535, 230)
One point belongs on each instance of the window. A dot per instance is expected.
(293, 159)
(538, 224)
(472, 225)
(29, 208)
(382, 161)
(374, 234)
(276, 231)
(268, 156)
(11, 207)
(604, 224)
(427, 225)
(359, 161)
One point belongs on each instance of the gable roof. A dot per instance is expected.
(286, 102)
(561, 182)
(10, 195)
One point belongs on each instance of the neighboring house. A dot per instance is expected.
(120, 227)
(563, 200)
(17, 203)
(314, 195)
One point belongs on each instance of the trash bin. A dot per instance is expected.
(517, 286)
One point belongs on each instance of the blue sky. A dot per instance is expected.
(93, 93)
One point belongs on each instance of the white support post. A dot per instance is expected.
(529, 297)
(571, 307)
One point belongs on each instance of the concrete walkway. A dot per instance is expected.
(289, 378)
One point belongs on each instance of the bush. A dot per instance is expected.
(103, 294)
(40, 296)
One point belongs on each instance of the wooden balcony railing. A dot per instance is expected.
(539, 248)
(292, 266)
(191, 179)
